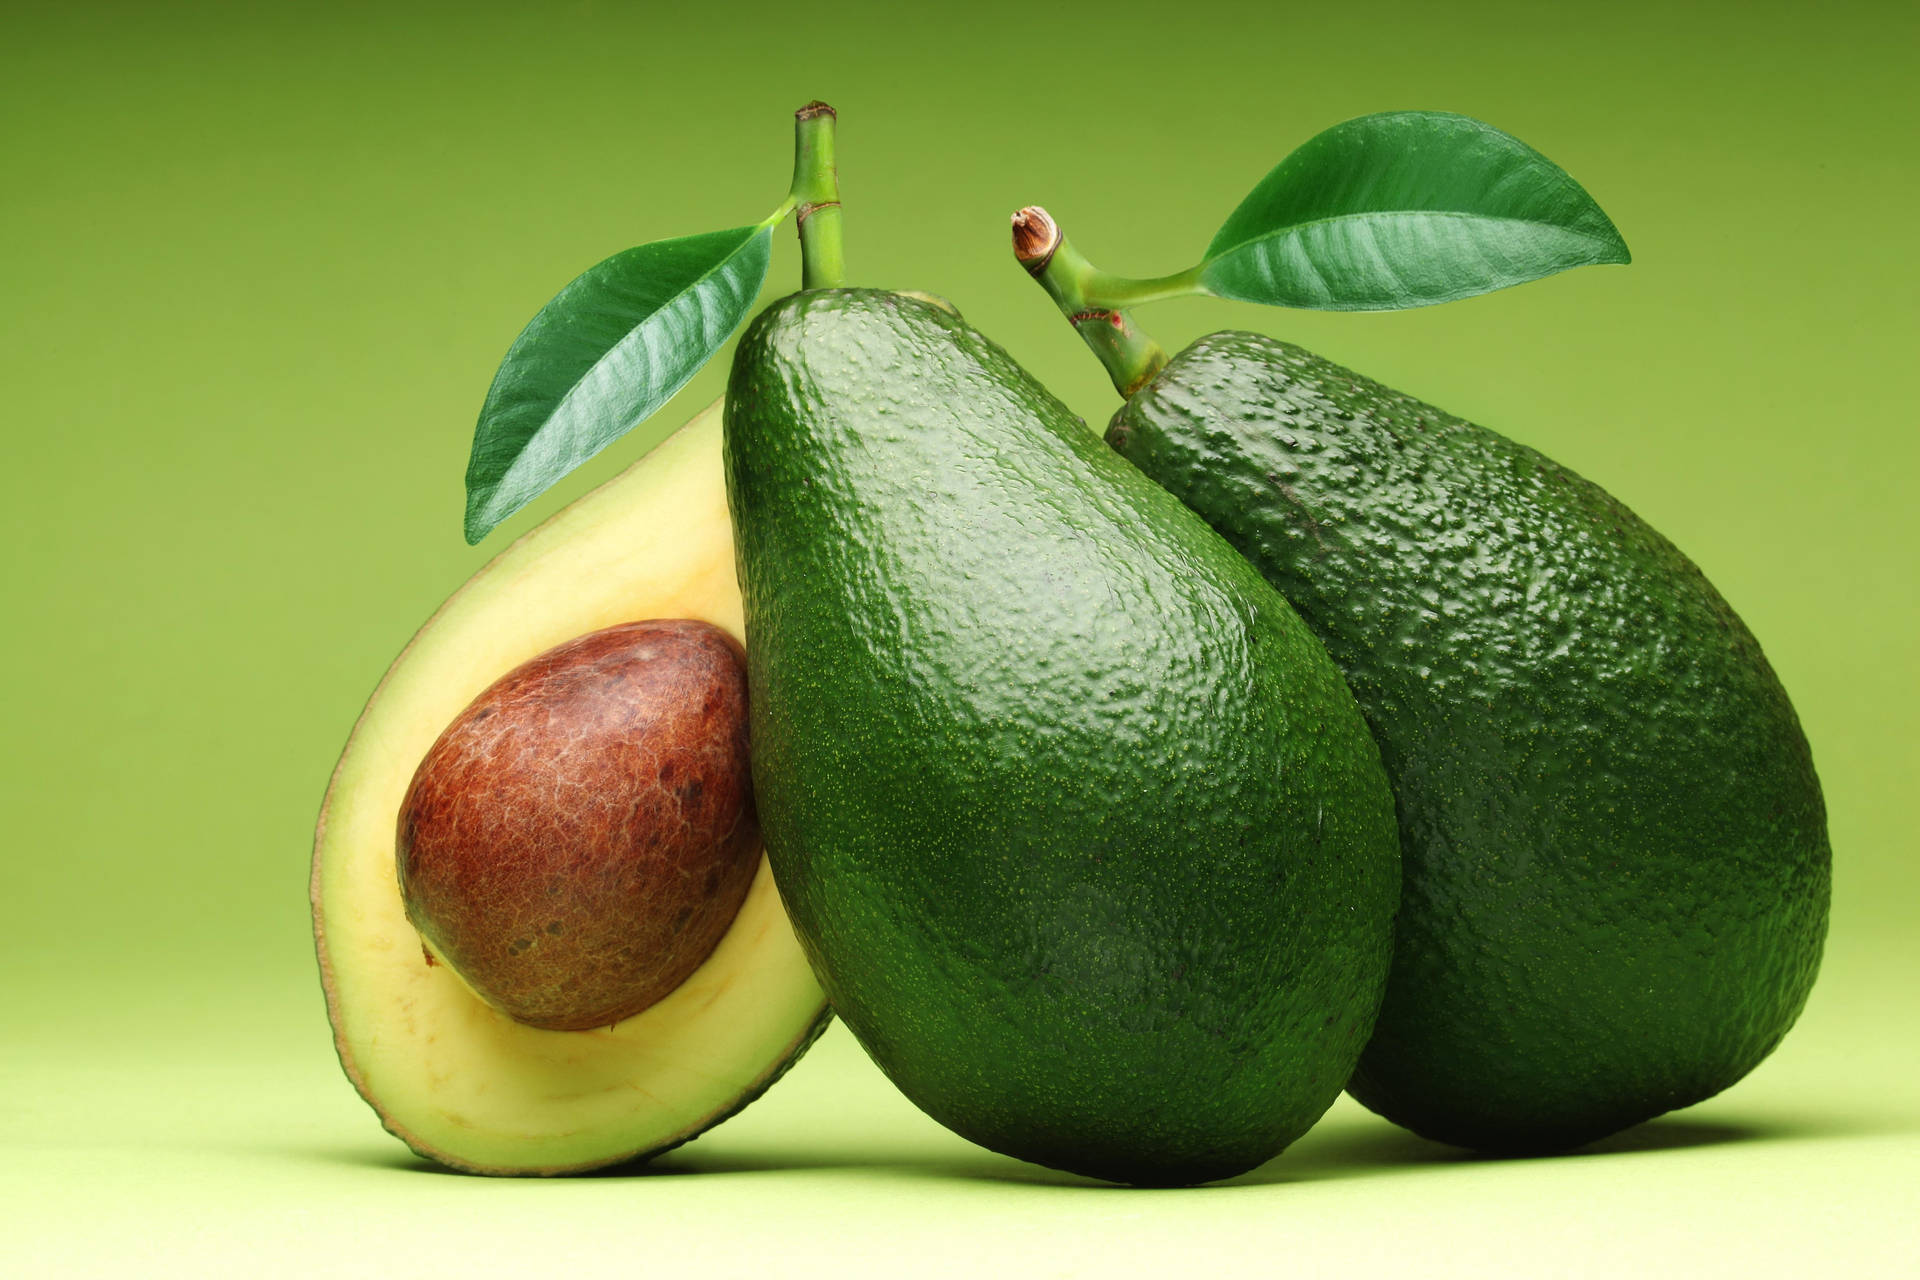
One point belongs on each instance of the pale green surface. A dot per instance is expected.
(258, 272)
(216, 1156)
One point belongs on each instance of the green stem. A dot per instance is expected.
(816, 193)
(1096, 303)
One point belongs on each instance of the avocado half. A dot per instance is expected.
(456, 1080)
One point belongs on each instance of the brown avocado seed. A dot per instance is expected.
(582, 835)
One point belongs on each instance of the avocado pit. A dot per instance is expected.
(581, 836)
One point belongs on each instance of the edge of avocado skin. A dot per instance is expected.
(936, 921)
(754, 1092)
(1615, 850)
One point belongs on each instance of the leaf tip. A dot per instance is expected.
(1611, 249)
(479, 520)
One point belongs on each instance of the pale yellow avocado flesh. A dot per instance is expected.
(453, 1078)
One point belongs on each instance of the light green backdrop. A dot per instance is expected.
(257, 267)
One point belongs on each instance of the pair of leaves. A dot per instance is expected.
(1405, 209)
(608, 350)
(1400, 209)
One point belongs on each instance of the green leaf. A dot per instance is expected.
(610, 348)
(1404, 209)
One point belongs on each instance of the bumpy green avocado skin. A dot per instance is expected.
(1083, 833)
(1615, 849)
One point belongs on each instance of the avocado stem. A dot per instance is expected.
(816, 195)
(1096, 303)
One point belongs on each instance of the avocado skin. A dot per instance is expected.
(1078, 825)
(1614, 844)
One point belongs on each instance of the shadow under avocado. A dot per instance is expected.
(1373, 1150)
(1376, 1150)
(964, 1165)
(681, 1162)
(1383, 1148)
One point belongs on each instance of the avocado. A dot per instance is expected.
(457, 1080)
(1615, 848)
(1084, 835)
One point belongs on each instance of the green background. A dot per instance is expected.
(258, 265)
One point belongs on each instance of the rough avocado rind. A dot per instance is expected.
(1617, 869)
(1081, 829)
(457, 1081)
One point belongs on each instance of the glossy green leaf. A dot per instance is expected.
(612, 347)
(1404, 209)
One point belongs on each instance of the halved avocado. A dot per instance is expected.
(453, 1078)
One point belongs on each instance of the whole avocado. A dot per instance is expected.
(1614, 844)
(1078, 824)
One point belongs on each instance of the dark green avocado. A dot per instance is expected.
(1078, 824)
(1615, 847)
